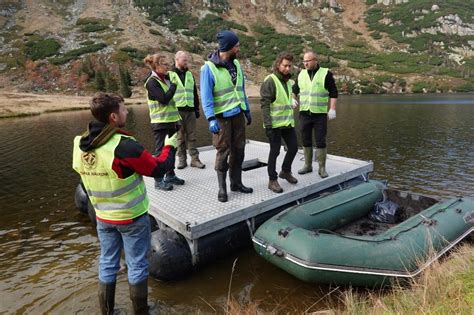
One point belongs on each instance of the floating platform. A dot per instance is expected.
(193, 228)
(194, 211)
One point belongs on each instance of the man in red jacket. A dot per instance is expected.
(111, 164)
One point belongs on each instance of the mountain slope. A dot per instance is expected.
(74, 45)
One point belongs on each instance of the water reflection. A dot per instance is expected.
(48, 257)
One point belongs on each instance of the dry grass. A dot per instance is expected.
(446, 287)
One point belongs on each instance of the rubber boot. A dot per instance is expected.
(106, 298)
(139, 297)
(236, 181)
(308, 160)
(222, 195)
(321, 157)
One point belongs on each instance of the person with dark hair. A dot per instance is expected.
(225, 105)
(317, 90)
(164, 116)
(278, 120)
(111, 164)
(187, 101)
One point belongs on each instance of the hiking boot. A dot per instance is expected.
(173, 179)
(308, 160)
(161, 184)
(288, 176)
(321, 157)
(274, 186)
(182, 164)
(195, 162)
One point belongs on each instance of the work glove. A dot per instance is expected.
(249, 117)
(332, 114)
(295, 103)
(214, 126)
(197, 114)
(172, 141)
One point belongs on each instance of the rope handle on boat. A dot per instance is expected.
(426, 221)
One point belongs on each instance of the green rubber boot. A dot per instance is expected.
(321, 157)
(308, 160)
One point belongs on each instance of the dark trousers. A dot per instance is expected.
(230, 143)
(187, 135)
(316, 122)
(274, 137)
(160, 134)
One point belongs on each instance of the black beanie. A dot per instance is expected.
(227, 40)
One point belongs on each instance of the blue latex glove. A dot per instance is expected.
(214, 126)
(249, 117)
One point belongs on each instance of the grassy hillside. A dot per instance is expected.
(62, 45)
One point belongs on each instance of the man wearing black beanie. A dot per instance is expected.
(225, 104)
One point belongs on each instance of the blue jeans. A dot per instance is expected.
(134, 238)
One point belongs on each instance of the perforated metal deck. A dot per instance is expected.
(194, 211)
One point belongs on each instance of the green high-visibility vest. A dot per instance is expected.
(313, 96)
(226, 95)
(184, 95)
(281, 112)
(161, 113)
(113, 198)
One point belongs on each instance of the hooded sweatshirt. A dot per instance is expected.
(130, 156)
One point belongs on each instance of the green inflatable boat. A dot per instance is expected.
(331, 239)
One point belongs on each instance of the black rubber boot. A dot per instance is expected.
(222, 195)
(106, 298)
(139, 297)
(236, 181)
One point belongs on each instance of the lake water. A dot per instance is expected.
(48, 256)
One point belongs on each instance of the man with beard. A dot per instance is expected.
(225, 104)
(277, 109)
(111, 164)
(187, 101)
(317, 91)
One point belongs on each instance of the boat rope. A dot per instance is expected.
(393, 237)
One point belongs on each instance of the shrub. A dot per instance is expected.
(90, 25)
(210, 25)
(90, 28)
(376, 35)
(418, 87)
(154, 32)
(42, 48)
(358, 65)
(182, 21)
(73, 54)
(356, 44)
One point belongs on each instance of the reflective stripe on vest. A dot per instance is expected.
(226, 95)
(184, 95)
(161, 113)
(113, 198)
(313, 96)
(281, 112)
